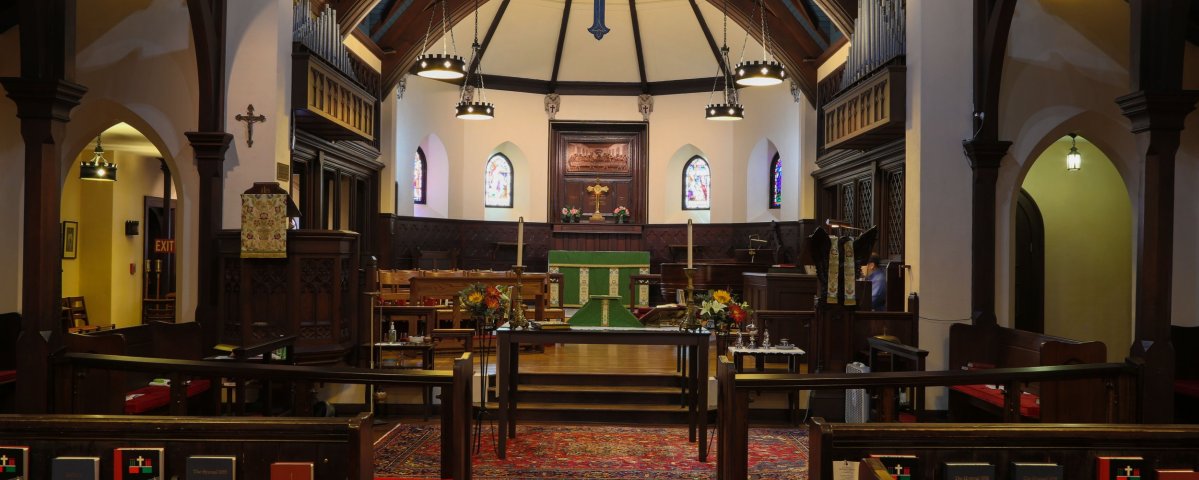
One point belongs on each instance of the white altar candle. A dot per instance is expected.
(689, 256)
(520, 241)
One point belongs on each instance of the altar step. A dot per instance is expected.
(631, 396)
(597, 413)
(601, 397)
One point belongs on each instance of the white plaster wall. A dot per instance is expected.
(12, 187)
(807, 159)
(757, 183)
(938, 177)
(772, 116)
(677, 121)
(258, 58)
(138, 63)
(387, 150)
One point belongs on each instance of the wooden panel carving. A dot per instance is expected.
(329, 104)
(868, 114)
(311, 294)
(609, 154)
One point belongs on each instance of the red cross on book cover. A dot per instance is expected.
(137, 464)
(1119, 468)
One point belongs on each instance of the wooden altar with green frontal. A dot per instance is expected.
(596, 273)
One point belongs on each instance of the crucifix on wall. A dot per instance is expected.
(597, 190)
(250, 120)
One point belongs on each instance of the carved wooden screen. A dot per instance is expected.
(610, 154)
(865, 189)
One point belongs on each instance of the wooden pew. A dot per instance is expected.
(972, 347)
(1186, 373)
(734, 388)
(456, 412)
(337, 447)
(1073, 446)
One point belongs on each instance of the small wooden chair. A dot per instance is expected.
(75, 315)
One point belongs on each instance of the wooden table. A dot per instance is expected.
(696, 374)
(424, 349)
(793, 356)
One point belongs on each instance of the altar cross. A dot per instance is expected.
(597, 26)
(597, 190)
(250, 120)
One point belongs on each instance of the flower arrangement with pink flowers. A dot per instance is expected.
(571, 214)
(622, 214)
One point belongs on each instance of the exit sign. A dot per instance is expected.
(164, 245)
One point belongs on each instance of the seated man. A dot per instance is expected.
(878, 283)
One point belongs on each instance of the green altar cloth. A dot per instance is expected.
(596, 273)
(595, 314)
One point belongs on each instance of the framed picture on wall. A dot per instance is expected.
(70, 239)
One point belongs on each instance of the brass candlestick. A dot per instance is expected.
(690, 322)
(518, 320)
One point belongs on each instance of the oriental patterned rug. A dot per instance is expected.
(592, 452)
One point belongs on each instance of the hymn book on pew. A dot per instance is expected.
(1036, 471)
(75, 468)
(137, 463)
(200, 467)
(901, 467)
(1119, 468)
(291, 471)
(13, 463)
(969, 471)
(1176, 474)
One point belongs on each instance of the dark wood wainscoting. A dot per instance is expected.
(485, 245)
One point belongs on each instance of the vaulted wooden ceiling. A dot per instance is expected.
(802, 34)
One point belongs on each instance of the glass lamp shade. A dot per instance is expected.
(475, 111)
(1073, 160)
(760, 73)
(441, 66)
(727, 112)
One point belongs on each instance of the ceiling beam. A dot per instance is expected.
(495, 23)
(703, 25)
(352, 12)
(841, 12)
(392, 15)
(541, 87)
(558, 52)
(801, 15)
(637, 43)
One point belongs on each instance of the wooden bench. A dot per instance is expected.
(1073, 446)
(337, 447)
(973, 348)
(1186, 373)
(95, 394)
(10, 328)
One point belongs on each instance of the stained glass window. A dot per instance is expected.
(776, 182)
(697, 179)
(418, 178)
(499, 182)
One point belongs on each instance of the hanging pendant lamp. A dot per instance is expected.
(730, 109)
(444, 65)
(1073, 159)
(765, 72)
(98, 168)
(469, 107)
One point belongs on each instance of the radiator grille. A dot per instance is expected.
(857, 404)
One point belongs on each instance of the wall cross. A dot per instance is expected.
(598, 190)
(250, 120)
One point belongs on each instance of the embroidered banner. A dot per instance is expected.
(848, 272)
(263, 225)
(834, 271)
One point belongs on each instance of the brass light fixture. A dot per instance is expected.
(765, 72)
(1073, 159)
(444, 65)
(98, 168)
(469, 107)
(730, 109)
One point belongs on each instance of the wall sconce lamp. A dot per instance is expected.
(1073, 159)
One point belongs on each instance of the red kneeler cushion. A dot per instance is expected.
(994, 396)
(7, 376)
(151, 397)
(1188, 388)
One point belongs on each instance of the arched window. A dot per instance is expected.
(498, 191)
(776, 182)
(419, 182)
(697, 179)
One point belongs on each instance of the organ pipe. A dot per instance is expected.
(321, 36)
(879, 37)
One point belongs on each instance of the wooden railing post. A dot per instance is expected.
(1011, 402)
(456, 421)
(724, 389)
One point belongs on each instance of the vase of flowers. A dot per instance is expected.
(719, 311)
(487, 305)
(622, 214)
(571, 214)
